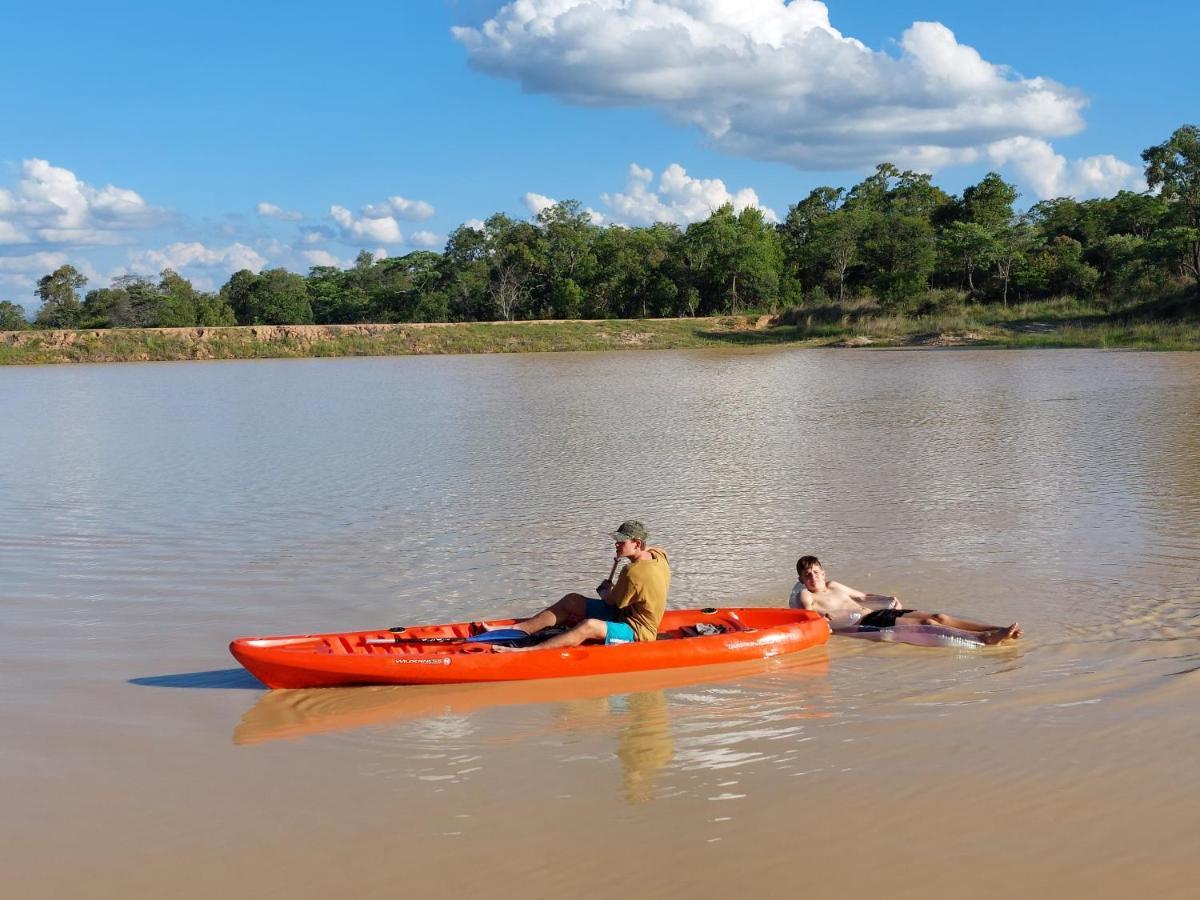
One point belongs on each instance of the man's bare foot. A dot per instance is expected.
(501, 648)
(1000, 635)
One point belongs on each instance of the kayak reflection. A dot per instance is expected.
(297, 713)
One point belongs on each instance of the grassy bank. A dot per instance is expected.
(291, 341)
(1164, 325)
(1171, 323)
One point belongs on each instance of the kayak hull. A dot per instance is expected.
(441, 654)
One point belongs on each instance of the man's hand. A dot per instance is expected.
(895, 604)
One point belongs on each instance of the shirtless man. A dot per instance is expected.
(841, 604)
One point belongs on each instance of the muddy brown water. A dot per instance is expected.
(151, 512)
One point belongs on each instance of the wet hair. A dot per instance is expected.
(804, 563)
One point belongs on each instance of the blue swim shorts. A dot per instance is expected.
(618, 632)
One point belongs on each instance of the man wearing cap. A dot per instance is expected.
(627, 611)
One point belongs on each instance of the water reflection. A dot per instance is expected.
(645, 743)
(292, 714)
(715, 708)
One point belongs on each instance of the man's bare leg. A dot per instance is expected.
(989, 634)
(587, 630)
(571, 608)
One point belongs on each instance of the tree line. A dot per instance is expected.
(894, 237)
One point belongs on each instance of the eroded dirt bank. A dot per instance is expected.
(250, 341)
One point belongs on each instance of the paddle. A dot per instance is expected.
(611, 573)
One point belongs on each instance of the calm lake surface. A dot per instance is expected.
(151, 512)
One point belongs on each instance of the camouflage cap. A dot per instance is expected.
(631, 530)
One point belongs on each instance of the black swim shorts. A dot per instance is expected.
(882, 618)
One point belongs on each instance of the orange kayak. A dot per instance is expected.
(444, 654)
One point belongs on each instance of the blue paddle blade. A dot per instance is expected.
(499, 635)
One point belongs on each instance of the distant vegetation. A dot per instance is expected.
(895, 245)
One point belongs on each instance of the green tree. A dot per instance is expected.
(835, 241)
(212, 311)
(898, 247)
(1139, 215)
(463, 274)
(274, 297)
(281, 298)
(12, 317)
(512, 265)
(804, 259)
(387, 285)
(742, 259)
(335, 297)
(642, 272)
(969, 246)
(59, 293)
(1057, 267)
(238, 292)
(177, 307)
(1173, 169)
(145, 300)
(567, 252)
(759, 263)
(411, 286)
(107, 308)
(1013, 243)
(914, 194)
(1060, 217)
(989, 203)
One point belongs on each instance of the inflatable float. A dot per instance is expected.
(901, 633)
(919, 635)
(462, 653)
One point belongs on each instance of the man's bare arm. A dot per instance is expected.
(882, 601)
(853, 594)
(869, 602)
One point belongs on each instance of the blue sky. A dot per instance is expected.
(217, 136)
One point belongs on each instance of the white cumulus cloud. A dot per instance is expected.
(424, 239)
(51, 205)
(382, 228)
(408, 210)
(775, 80)
(271, 211)
(325, 258)
(678, 198)
(1053, 175)
(195, 255)
(42, 263)
(10, 234)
